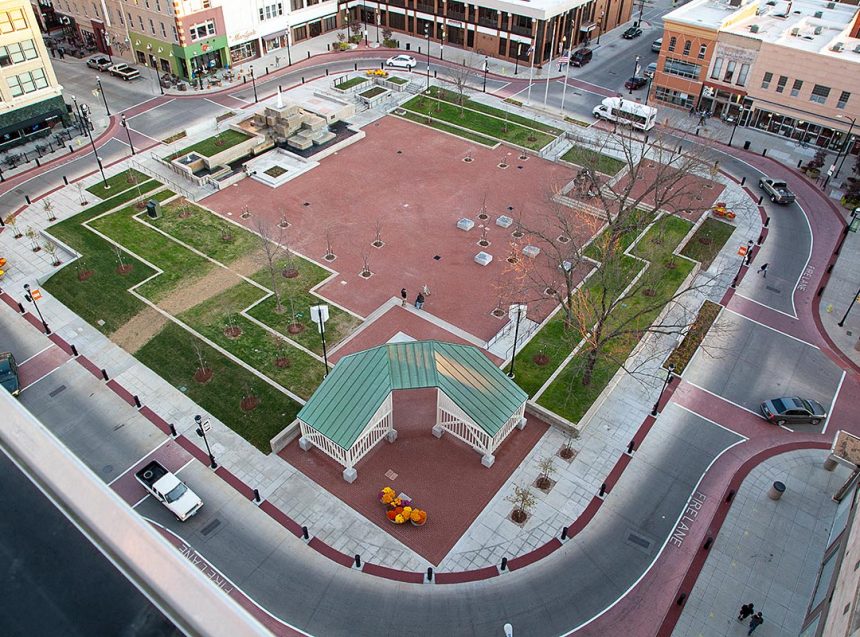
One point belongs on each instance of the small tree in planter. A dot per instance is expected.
(203, 373)
(544, 480)
(123, 267)
(33, 236)
(231, 329)
(813, 166)
(377, 241)
(355, 27)
(281, 359)
(12, 222)
(49, 210)
(249, 400)
(387, 38)
(51, 248)
(81, 195)
(523, 500)
(329, 253)
(567, 452)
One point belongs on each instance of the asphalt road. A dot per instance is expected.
(55, 582)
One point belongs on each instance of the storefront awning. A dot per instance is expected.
(588, 28)
(31, 121)
(276, 34)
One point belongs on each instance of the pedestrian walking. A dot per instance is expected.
(701, 120)
(692, 111)
(746, 611)
(403, 297)
(762, 270)
(419, 301)
(755, 621)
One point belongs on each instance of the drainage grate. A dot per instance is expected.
(773, 289)
(437, 258)
(214, 524)
(390, 475)
(639, 541)
(57, 391)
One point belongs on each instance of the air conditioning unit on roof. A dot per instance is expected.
(753, 28)
(795, 31)
(818, 14)
(837, 47)
(818, 30)
(831, 5)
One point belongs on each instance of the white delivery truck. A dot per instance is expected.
(169, 490)
(626, 112)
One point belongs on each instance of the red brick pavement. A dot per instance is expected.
(418, 186)
(40, 365)
(171, 455)
(443, 476)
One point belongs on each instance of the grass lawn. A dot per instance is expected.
(205, 231)
(213, 145)
(102, 299)
(118, 183)
(397, 80)
(474, 137)
(707, 241)
(682, 355)
(567, 396)
(351, 83)
(180, 266)
(373, 92)
(453, 97)
(296, 299)
(171, 355)
(255, 345)
(552, 341)
(588, 158)
(480, 123)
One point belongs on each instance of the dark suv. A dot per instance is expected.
(9, 373)
(581, 57)
(632, 32)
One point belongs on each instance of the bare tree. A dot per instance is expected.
(461, 76)
(272, 250)
(33, 236)
(377, 241)
(81, 194)
(49, 210)
(329, 252)
(523, 500)
(547, 469)
(12, 222)
(51, 248)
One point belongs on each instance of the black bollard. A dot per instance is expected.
(172, 430)
(730, 496)
(355, 66)
(65, 180)
(37, 161)
(820, 291)
(303, 79)
(564, 533)
(504, 563)
(137, 402)
(429, 573)
(71, 150)
(305, 533)
(743, 180)
(326, 72)
(760, 239)
(27, 199)
(760, 199)
(766, 221)
(104, 374)
(764, 153)
(681, 598)
(21, 308)
(257, 497)
(267, 70)
(357, 560)
(309, 55)
(631, 446)
(829, 268)
(708, 543)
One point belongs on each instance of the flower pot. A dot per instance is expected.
(419, 523)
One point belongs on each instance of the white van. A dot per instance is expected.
(626, 112)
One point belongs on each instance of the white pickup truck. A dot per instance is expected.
(169, 490)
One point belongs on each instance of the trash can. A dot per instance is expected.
(746, 145)
(776, 490)
(153, 209)
(408, 46)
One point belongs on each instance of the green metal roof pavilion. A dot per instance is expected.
(351, 394)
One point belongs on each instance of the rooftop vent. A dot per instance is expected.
(795, 31)
(837, 47)
(818, 30)
(857, 49)
(831, 5)
(818, 14)
(734, 3)
(753, 28)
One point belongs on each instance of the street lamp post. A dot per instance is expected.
(124, 124)
(517, 59)
(78, 114)
(669, 371)
(254, 83)
(635, 73)
(519, 308)
(32, 299)
(319, 313)
(648, 89)
(734, 128)
(841, 323)
(427, 33)
(600, 27)
(376, 19)
(486, 66)
(202, 428)
(442, 43)
(847, 144)
(86, 124)
(102, 91)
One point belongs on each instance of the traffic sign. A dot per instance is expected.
(205, 426)
(742, 251)
(35, 294)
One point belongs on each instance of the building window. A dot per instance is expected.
(687, 46)
(12, 21)
(730, 71)
(295, 5)
(703, 50)
(329, 24)
(175, 34)
(780, 85)
(819, 94)
(672, 42)
(17, 52)
(766, 80)
(843, 99)
(681, 68)
(718, 67)
(158, 6)
(207, 4)
(200, 31)
(795, 88)
(163, 30)
(300, 33)
(271, 11)
(673, 97)
(742, 76)
(152, 26)
(27, 82)
(140, 22)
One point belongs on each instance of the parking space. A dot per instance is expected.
(23, 343)
(746, 363)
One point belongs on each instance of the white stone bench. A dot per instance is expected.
(531, 251)
(483, 258)
(566, 266)
(465, 224)
(504, 221)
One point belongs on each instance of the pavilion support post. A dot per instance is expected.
(305, 444)
(350, 474)
(391, 436)
(438, 430)
(488, 459)
(521, 424)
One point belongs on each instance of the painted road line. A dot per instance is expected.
(151, 108)
(767, 307)
(713, 422)
(47, 347)
(183, 466)
(141, 459)
(746, 318)
(833, 402)
(139, 502)
(726, 400)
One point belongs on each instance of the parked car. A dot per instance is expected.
(124, 71)
(632, 32)
(581, 57)
(635, 82)
(402, 61)
(651, 69)
(169, 490)
(99, 62)
(656, 45)
(792, 409)
(9, 373)
(777, 190)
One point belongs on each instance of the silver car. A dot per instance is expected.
(792, 409)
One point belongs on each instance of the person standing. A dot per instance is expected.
(403, 297)
(746, 611)
(762, 270)
(419, 301)
(755, 621)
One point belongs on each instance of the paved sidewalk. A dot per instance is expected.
(767, 552)
(841, 289)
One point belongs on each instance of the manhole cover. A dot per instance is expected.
(773, 289)
(390, 475)
(57, 391)
(214, 524)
